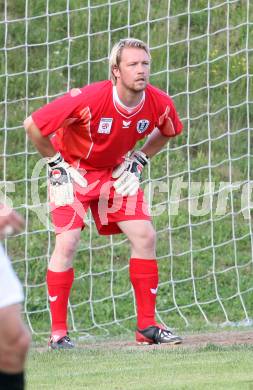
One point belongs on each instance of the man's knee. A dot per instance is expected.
(67, 249)
(66, 244)
(145, 236)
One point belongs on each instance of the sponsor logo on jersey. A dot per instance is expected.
(142, 125)
(105, 125)
(126, 124)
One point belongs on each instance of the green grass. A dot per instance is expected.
(197, 257)
(126, 368)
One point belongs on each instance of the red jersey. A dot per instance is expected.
(90, 128)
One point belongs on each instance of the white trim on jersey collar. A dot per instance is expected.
(128, 109)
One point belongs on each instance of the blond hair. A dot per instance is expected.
(115, 56)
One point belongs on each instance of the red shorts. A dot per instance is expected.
(106, 206)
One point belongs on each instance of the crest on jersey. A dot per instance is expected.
(142, 125)
(105, 125)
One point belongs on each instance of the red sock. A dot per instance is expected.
(59, 285)
(144, 278)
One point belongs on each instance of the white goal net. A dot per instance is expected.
(200, 187)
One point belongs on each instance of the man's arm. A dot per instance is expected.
(41, 143)
(154, 143)
(61, 174)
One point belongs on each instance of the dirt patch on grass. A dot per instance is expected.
(224, 338)
(196, 340)
(219, 338)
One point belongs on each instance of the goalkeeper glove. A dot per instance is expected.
(61, 177)
(128, 173)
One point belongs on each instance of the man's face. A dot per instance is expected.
(133, 70)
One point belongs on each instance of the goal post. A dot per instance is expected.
(200, 186)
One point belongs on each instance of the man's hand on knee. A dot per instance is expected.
(61, 177)
(128, 174)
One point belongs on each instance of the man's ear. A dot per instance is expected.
(116, 71)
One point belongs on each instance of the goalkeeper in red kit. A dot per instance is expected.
(88, 138)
